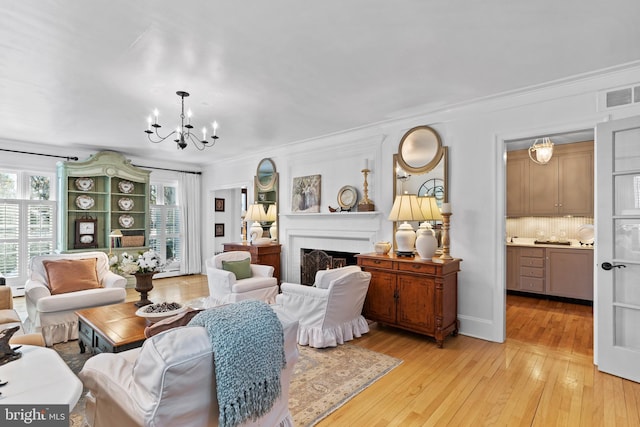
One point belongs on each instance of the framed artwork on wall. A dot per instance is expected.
(305, 194)
(219, 205)
(219, 230)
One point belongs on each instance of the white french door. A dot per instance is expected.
(617, 248)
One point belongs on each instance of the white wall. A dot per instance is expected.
(475, 134)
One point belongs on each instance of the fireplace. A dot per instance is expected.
(312, 260)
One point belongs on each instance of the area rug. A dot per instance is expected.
(323, 379)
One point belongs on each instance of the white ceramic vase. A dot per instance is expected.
(405, 238)
(426, 242)
(255, 232)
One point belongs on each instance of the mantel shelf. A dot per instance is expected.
(328, 214)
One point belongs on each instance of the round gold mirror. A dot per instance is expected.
(266, 174)
(420, 150)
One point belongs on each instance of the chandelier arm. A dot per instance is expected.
(198, 144)
(160, 138)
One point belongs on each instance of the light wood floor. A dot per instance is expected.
(543, 375)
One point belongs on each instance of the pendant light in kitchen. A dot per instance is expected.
(541, 151)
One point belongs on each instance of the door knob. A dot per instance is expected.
(608, 266)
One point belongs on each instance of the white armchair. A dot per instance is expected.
(330, 311)
(170, 381)
(53, 314)
(225, 288)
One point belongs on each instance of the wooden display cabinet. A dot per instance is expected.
(413, 294)
(260, 254)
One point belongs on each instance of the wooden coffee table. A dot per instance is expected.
(110, 328)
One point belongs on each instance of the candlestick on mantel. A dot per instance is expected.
(365, 204)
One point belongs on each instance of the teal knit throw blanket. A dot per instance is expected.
(248, 350)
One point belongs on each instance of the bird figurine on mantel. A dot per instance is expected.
(8, 354)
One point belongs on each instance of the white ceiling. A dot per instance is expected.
(88, 73)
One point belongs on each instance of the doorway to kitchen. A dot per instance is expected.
(549, 242)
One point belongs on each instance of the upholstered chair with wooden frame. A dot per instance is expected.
(10, 318)
(232, 278)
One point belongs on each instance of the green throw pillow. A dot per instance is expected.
(242, 269)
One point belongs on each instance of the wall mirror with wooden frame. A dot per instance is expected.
(266, 194)
(421, 167)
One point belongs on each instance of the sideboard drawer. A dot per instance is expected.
(531, 272)
(526, 261)
(377, 263)
(417, 268)
(532, 252)
(532, 284)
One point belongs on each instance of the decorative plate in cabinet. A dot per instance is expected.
(85, 202)
(126, 221)
(125, 203)
(126, 187)
(84, 184)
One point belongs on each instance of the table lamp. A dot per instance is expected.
(405, 208)
(272, 217)
(426, 242)
(115, 234)
(257, 214)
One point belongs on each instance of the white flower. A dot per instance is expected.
(147, 262)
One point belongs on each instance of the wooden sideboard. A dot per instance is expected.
(413, 294)
(260, 254)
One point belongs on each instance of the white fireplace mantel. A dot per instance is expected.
(338, 231)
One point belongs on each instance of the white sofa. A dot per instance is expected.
(330, 311)
(54, 315)
(170, 382)
(224, 288)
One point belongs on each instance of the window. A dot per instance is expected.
(27, 222)
(165, 230)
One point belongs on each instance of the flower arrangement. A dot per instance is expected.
(145, 262)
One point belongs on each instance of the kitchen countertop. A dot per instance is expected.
(525, 241)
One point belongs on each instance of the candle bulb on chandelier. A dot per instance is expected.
(189, 114)
(204, 133)
(156, 113)
(149, 120)
(215, 127)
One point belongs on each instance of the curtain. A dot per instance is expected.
(190, 208)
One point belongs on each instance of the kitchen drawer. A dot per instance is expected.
(417, 268)
(377, 263)
(532, 252)
(526, 261)
(532, 284)
(531, 272)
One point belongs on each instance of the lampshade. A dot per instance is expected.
(116, 233)
(406, 208)
(271, 213)
(543, 151)
(429, 208)
(256, 213)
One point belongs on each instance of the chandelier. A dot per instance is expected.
(183, 132)
(543, 151)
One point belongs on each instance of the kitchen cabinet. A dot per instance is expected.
(564, 186)
(260, 254)
(569, 273)
(107, 191)
(560, 271)
(413, 294)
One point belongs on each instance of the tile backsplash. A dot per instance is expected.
(550, 226)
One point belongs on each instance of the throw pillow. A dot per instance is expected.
(242, 269)
(181, 319)
(71, 275)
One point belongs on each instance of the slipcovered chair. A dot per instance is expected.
(330, 311)
(9, 318)
(171, 381)
(255, 282)
(54, 291)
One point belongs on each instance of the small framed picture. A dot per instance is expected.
(219, 230)
(219, 205)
